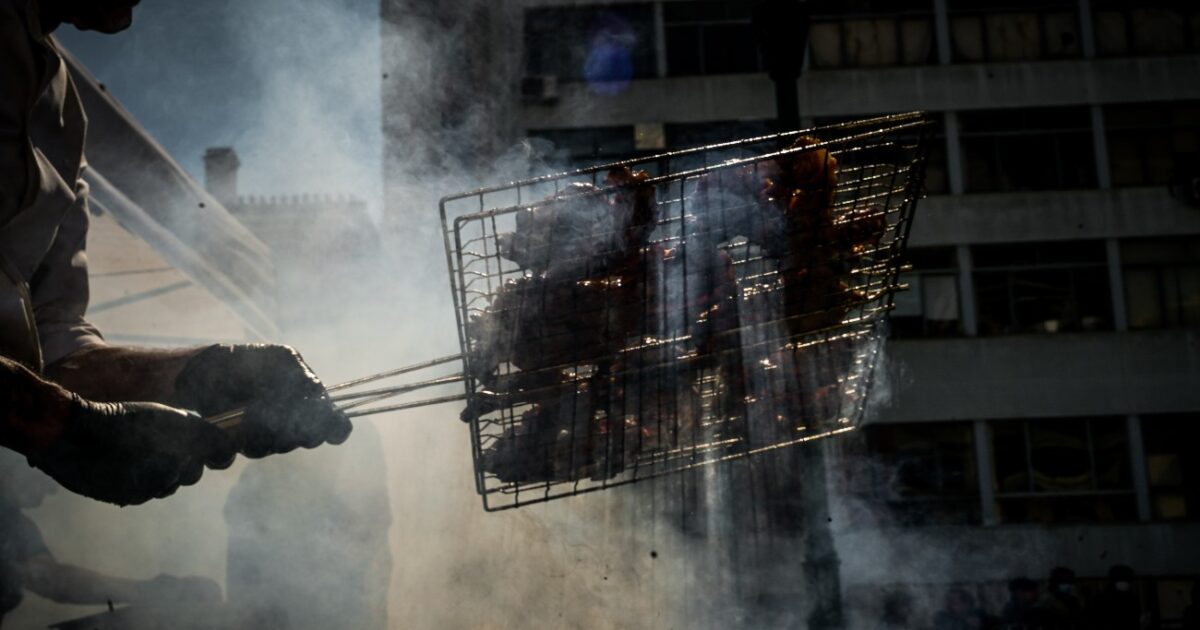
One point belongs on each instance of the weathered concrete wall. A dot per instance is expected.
(138, 298)
(871, 91)
(1051, 216)
(1051, 375)
(973, 554)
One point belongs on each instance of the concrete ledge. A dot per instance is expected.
(975, 554)
(870, 91)
(1051, 375)
(1051, 216)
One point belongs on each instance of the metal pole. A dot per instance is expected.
(787, 104)
(781, 27)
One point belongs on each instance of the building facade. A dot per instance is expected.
(325, 249)
(1044, 406)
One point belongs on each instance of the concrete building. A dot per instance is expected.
(168, 264)
(1045, 408)
(326, 249)
(449, 102)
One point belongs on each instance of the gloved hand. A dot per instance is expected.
(286, 406)
(129, 453)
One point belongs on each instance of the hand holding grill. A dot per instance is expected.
(130, 453)
(285, 406)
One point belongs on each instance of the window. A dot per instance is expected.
(930, 307)
(587, 146)
(600, 44)
(710, 38)
(1173, 465)
(863, 33)
(688, 135)
(917, 474)
(1042, 287)
(1062, 470)
(1145, 139)
(1028, 149)
(1141, 27)
(1162, 282)
(1013, 30)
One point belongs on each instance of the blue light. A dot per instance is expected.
(608, 67)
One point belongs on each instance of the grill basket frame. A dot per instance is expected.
(881, 163)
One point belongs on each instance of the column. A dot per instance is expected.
(1087, 30)
(1137, 461)
(941, 22)
(660, 41)
(985, 472)
(954, 164)
(1116, 284)
(966, 291)
(1100, 148)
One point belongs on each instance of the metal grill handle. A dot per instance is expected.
(359, 403)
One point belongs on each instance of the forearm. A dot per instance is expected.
(117, 373)
(67, 584)
(32, 409)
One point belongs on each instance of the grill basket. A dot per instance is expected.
(730, 302)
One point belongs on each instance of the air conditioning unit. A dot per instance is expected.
(539, 88)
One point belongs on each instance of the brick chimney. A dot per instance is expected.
(220, 174)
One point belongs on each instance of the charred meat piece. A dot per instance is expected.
(580, 232)
(540, 322)
(548, 322)
(785, 206)
(556, 440)
(729, 203)
(634, 202)
(861, 230)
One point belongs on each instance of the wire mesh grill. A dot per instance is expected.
(645, 317)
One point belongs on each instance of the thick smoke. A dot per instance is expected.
(295, 88)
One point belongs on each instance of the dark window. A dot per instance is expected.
(1162, 282)
(1042, 287)
(861, 34)
(690, 135)
(1028, 149)
(606, 45)
(937, 180)
(587, 146)
(1013, 30)
(710, 38)
(917, 474)
(1173, 465)
(1062, 470)
(930, 307)
(1145, 139)
(1141, 27)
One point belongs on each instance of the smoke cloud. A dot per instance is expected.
(295, 87)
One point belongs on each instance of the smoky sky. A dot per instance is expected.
(293, 85)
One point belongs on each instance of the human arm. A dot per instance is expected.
(17, 74)
(286, 405)
(122, 453)
(69, 584)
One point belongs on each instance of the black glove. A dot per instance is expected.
(285, 404)
(129, 453)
